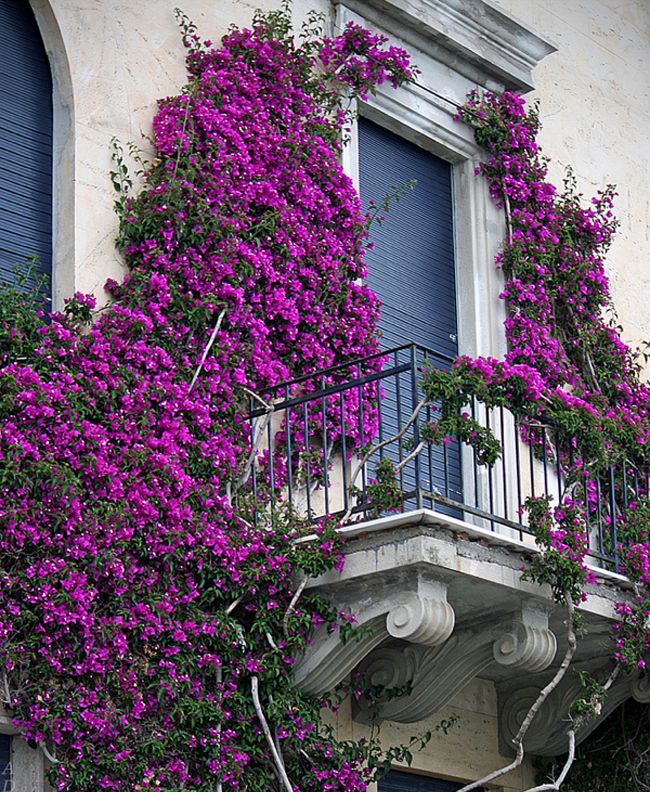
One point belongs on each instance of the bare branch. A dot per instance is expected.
(559, 674)
(412, 418)
(292, 605)
(410, 456)
(50, 757)
(233, 605)
(277, 757)
(268, 406)
(5, 682)
(207, 348)
(245, 474)
(506, 206)
(555, 785)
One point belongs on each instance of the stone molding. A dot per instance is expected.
(471, 35)
(416, 610)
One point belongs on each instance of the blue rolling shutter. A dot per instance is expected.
(398, 781)
(412, 270)
(5, 763)
(25, 144)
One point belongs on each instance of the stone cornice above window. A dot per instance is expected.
(473, 37)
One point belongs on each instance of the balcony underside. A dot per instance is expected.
(438, 602)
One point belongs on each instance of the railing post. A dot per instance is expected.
(416, 424)
(612, 516)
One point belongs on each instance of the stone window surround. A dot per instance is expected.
(27, 764)
(457, 45)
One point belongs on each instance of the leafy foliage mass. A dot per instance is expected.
(146, 637)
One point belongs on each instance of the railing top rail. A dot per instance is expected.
(357, 361)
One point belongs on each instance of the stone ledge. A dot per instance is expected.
(465, 34)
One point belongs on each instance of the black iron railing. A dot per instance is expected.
(311, 433)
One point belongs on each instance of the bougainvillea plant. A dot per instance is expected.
(566, 365)
(566, 371)
(149, 626)
(148, 631)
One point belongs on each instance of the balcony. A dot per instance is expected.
(435, 583)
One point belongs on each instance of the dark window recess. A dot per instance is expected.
(5, 763)
(398, 781)
(411, 268)
(25, 147)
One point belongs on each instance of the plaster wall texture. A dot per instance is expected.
(120, 57)
(595, 111)
(467, 752)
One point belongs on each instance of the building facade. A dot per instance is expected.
(440, 585)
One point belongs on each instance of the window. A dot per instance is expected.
(411, 268)
(398, 781)
(25, 145)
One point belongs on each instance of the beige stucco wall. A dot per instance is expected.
(467, 752)
(595, 110)
(121, 57)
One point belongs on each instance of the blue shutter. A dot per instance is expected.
(411, 268)
(5, 763)
(398, 781)
(25, 144)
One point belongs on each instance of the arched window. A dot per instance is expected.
(25, 148)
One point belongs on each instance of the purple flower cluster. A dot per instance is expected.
(566, 363)
(136, 598)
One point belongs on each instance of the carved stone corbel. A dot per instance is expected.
(436, 674)
(418, 613)
(529, 645)
(547, 733)
(422, 617)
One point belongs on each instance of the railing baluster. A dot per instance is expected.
(613, 521)
(362, 440)
(474, 461)
(310, 516)
(344, 454)
(287, 421)
(254, 458)
(416, 425)
(269, 442)
(489, 472)
(503, 463)
(326, 482)
(518, 466)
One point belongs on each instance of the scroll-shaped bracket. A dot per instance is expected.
(529, 645)
(547, 733)
(640, 688)
(434, 675)
(415, 610)
(424, 616)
